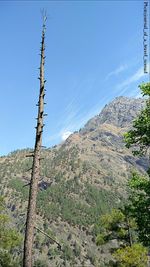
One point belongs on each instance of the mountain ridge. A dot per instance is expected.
(131, 106)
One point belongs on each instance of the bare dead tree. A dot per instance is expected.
(31, 212)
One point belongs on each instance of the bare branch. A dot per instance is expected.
(59, 246)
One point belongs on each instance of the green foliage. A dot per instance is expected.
(69, 200)
(9, 239)
(118, 225)
(139, 137)
(100, 239)
(57, 201)
(67, 253)
(101, 199)
(134, 256)
(145, 89)
(18, 185)
(139, 205)
(40, 263)
(115, 225)
(109, 221)
(6, 259)
(138, 182)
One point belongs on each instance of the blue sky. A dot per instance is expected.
(94, 52)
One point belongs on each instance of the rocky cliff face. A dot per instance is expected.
(80, 179)
(120, 113)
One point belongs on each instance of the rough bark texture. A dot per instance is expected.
(31, 212)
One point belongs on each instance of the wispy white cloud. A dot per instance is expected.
(83, 116)
(133, 78)
(73, 107)
(122, 87)
(73, 118)
(65, 135)
(117, 71)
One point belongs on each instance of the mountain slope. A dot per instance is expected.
(80, 179)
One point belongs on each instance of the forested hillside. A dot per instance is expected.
(81, 179)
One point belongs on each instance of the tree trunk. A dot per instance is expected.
(31, 212)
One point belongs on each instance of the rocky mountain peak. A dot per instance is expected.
(120, 112)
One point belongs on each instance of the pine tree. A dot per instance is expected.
(138, 138)
(31, 212)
